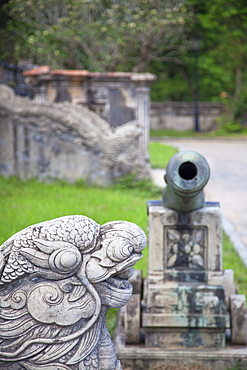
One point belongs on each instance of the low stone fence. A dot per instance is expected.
(117, 97)
(181, 115)
(66, 141)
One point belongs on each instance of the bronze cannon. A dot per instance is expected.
(186, 175)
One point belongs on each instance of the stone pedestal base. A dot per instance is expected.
(143, 357)
(184, 338)
(185, 315)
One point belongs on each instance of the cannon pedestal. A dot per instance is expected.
(185, 299)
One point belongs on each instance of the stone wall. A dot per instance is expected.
(119, 98)
(116, 97)
(66, 141)
(180, 116)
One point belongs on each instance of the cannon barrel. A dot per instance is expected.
(187, 173)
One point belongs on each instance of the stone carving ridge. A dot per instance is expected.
(58, 279)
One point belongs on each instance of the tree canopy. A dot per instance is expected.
(99, 35)
(138, 35)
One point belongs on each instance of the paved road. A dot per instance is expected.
(228, 180)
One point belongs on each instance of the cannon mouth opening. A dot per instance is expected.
(187, 170)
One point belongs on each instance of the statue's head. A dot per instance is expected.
(58, 279)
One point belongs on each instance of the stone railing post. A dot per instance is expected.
(143, 116)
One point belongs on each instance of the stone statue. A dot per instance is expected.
(58, 278)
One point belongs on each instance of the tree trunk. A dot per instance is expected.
(238, 81)
(187, 80)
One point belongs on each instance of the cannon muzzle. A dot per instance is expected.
(187, 173)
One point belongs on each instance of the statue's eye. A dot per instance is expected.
(119, 250)
(65, 261)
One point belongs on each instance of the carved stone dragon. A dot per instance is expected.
(58, 279)
(55, 132)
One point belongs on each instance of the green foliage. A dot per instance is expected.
(239, 108)
(156, 36)
(240, 367)
(221, 54)
(232, 127)
(222, 25)
(235, 118)
(172, 82)
(228, 127)
(99, 35)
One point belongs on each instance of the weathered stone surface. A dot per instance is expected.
(48, 140)
(184, 290)
(238, 319)
(117, 97)
(132, 311)
(188, 305)
(230, 286)
(181, 115)
(132, 319)
(142, 357)
(185, 242)
(185, 338)
(136, 282)
(57, 280)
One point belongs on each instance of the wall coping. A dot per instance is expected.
(185, 104)
(46, 70)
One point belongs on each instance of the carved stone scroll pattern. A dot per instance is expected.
(58, 279)
(186, 248)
